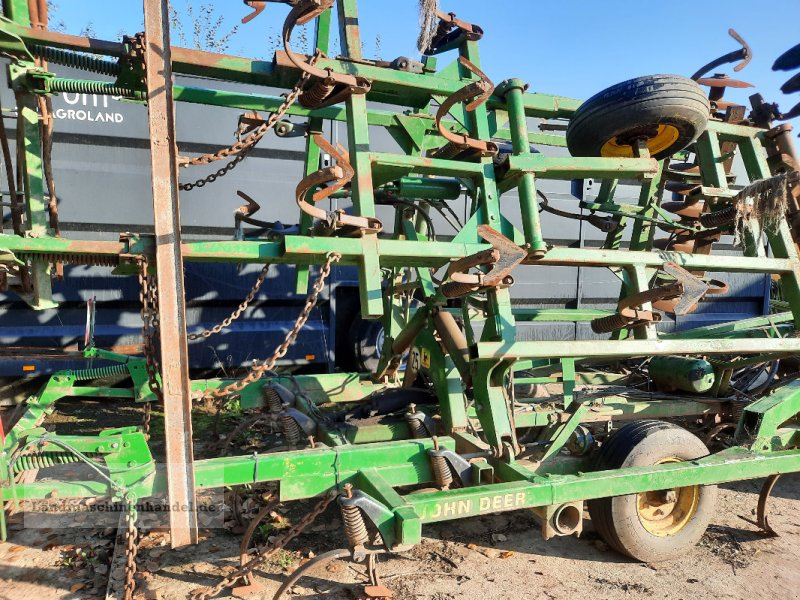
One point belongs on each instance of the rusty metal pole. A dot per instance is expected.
(169, 262)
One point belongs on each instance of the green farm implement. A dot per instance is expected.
(459, 418)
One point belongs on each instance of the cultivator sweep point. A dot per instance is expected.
(443, 427)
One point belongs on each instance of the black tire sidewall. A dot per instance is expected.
(656, 99)
(619, 522)
(364, 337)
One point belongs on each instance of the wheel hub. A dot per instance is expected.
(666, 512)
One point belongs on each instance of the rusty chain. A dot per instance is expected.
(258, 371)
(148, 297)
(207, 333)
(242, 148)
(131, 549)
(266, 552)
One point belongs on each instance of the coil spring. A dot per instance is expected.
(99, 260)
(316, 94)
(77, 86)
(448, 151)
(719, 218)
(273, 399)
(355, 527)
(85, 62)
(416, 426)
(100, 372)
(737, 410)
(456, 289)
(610, 324)
(291, 430)
(441, 471)
(42, 460)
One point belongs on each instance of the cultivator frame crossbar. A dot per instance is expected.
(471, 451)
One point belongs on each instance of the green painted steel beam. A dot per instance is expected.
(566, 167)
(730, 465)
(559, 314)
(777, 321)
(493, 351)
(591, 257)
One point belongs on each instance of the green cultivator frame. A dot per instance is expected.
(451, 435)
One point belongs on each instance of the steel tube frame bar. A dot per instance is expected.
(176, 383)
(311, 250)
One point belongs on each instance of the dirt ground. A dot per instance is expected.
(490, 557)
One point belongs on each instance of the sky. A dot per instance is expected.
(570, 48)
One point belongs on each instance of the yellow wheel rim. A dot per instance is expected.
(663, 139)
(666, 512)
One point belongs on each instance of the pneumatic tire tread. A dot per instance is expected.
(639, 102)
(616, 520)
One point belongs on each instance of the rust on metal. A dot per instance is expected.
(723, 81)
(323, 184)
(172, 299)
(743, 55)
(503, 257)
(450, 31)
(472, 96)
(762, 518)
(329, 86)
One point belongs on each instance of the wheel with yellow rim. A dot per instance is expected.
(666, 112)
(660, 524)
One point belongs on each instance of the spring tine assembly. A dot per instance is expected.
(337, 176)
(694, 288)
(330, 87)
(503, 257)
(473, 95)
(680, 298)
(743, 54)
(452, 32)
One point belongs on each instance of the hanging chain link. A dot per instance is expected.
(207, 333)
(148, 297)
(131, 549)
(258, 371)
(266, 552)
(243, 147)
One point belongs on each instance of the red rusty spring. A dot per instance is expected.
(291, 430)
(355, 527)
(416, 426)
(455, 289)
(272, 399)
(316, 94)
(448, 151)
(100, 260)
(610, 324)
(719, 218)
(441, 471)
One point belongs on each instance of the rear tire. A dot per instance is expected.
(653, 526)
(366, 339)
(669, 111)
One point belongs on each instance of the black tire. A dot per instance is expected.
(366, 338)
(618, 520)
(670, 110)
(526, 391)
